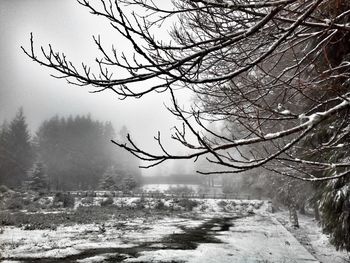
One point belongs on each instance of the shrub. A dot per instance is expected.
(36, 198)
(159, 205)
(107, 201)
(204, 207)
(6, 219)
(139, 203)
(43, 203)
(26, 201)
(14, 203)
(222, 203)
(39, 226)
(67, 200)
(188, 204)
(33, 208)
(87, 200)
(4, 189)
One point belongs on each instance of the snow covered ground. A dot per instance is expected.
(310, 235)
(165, 187)
(249, 239)
(216, 231)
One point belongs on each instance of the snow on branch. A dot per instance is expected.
(272, 75)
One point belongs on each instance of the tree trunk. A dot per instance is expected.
(293, 215)
(317, 212)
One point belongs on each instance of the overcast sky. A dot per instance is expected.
(68, 27)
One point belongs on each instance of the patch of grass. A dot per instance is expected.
(14, 203)
(82, 215)
(40, 225)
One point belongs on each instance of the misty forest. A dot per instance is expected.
(250, 164)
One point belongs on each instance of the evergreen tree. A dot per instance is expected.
(128, 165)
(331, 198)
(16, 150)
(77, 150)
(129, 183)
(38, 180)
(335, 211)
(107, 181)
(4, 157)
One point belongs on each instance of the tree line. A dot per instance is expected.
(64, 154)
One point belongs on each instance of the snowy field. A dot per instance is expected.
(215, 231)
(166, 187)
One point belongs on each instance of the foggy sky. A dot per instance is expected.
(69, 28)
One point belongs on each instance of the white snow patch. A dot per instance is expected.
(285, 112)
(99, 258)
(165, 187)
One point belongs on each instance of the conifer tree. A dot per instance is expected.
(38, 178)
(16, 150)
(107, 181)
(4, 160)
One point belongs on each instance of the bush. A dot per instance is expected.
(43, 203)
(222, 203)
(66, 200)
(4, 189)
(139, 203)
(39, 226)
(107, 201)
(87, 200)
(33, 208)
(6, 219)
(26, 201)
(159, 205)
(14, 203)
(188, 204)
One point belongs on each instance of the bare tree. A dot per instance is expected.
(273, 72)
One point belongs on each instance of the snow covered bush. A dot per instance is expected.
(159, 205)
(87, 200)
(188, 204)
(107, 201)
(64, 200)
(138, 203)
